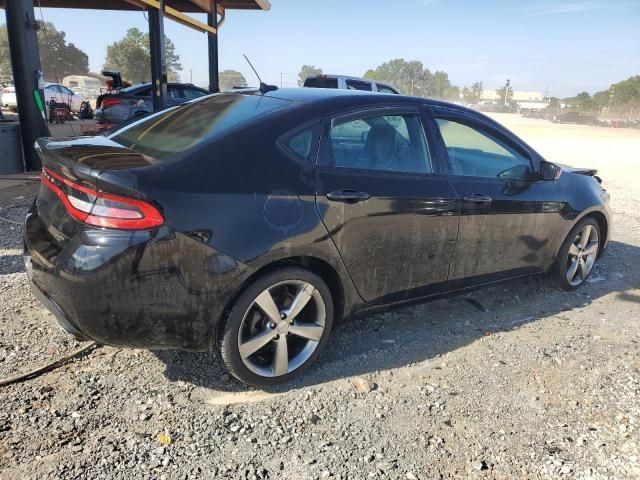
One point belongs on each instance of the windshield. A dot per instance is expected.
(182, 128)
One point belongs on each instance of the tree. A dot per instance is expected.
(131, 57)
(5, 58)
(476, 90)
(508, 91)
(57, 57)
(307, 71)
(410, 78)
(583, 102)
(554, 105)
(230, 79)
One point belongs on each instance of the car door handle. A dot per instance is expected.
(477, 198)
(347, 196)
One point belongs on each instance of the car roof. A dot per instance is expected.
(142, 86)
(330, 95)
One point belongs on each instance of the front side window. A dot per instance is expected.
(358, 85)
(394, 143)
(475, 153)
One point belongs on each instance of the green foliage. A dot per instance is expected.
(307, 71)
(131, 57)
(626, 92)
(472, 94)
(57, 57)
(554, 105)
(501, 95)
(5, 58)
(411, 78)
(230, 79)
(583, 102)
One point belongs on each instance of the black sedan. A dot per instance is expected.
(135, 101)
(251, 223)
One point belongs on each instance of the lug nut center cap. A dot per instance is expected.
(282, 328)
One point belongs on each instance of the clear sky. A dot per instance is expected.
(564, 46)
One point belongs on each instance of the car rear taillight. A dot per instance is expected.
(110, 102)
(102, 209)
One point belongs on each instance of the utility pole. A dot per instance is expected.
(158, 57)
(281, 79)
(212, 41)
(506, 91)
(191, 75)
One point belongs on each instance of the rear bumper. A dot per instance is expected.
(154, 289)
(50, 305)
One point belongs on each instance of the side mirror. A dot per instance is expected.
(549, 171)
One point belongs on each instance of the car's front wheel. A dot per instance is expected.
(577, 255)
(277, 327)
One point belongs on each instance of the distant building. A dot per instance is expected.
(525, 100)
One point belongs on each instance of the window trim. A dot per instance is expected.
(485, 128)
(328, 122)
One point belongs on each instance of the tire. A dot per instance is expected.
(573, 249)
(247, 325)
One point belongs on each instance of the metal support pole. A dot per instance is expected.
(25, 61)
(212, 21)
(158, 57)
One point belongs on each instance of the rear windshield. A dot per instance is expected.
(321, 82)
(181, 128)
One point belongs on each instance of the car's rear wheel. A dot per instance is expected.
(277, 327)
(577, 256)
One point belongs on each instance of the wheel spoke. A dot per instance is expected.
(591, 248)
(584, 237)
(583, 270)
(574, 250)
(573, 268)
(300, 301)
(280, 363)
(256, 342)
(310, 331)
(266, 303)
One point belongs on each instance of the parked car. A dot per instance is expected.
(52, 92)
(3, 85)
(253, 223)
(577, 118)
(136, 101)
(348, 83)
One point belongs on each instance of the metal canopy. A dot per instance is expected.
(185, 6)
(22, 27)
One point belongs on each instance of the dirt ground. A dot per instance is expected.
(521, 382)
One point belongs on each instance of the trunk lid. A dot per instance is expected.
(80, 160)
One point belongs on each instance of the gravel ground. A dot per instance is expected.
(513, 381)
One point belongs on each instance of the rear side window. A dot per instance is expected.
(394, 143)
(358, 85)
(181, 128)
(321, 82)
(303, 144)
